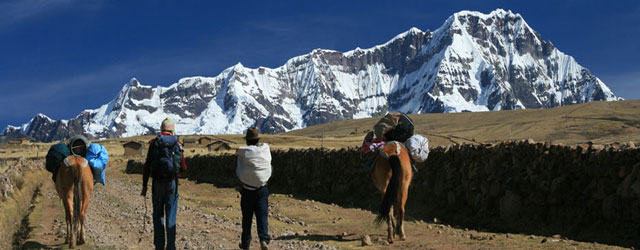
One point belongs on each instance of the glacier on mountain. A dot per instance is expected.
(473, 62)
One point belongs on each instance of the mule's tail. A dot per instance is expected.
(78, 198)
(391, 194)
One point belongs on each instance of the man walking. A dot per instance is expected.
(254, 169)
(164, 164)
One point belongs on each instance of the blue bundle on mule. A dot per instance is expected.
(98, 158)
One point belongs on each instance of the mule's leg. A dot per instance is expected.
(393, 221)
(66, 196)
(66, 211)
(390, 223)
(402, 200)
(67, 220)
(62, 194)
(67, 237)
(87, 188)
(81, 232)
(81, 239)
(81, 227)
(400, 224)
(71, 229)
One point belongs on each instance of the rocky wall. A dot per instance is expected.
(20, 181)
(13, 171)
(588, 192)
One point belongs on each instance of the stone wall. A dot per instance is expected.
(590, 192)
(13, 171)
(587, 192)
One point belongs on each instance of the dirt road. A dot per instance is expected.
(209, 218)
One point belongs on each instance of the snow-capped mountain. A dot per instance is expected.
(474, 62)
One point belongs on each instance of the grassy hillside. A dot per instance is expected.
(599, 122)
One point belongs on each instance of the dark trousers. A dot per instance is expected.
(255, 202)
(165, 204)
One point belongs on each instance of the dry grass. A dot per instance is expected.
(600, 122)
(12, 210)
(114, 145)
(9, 151)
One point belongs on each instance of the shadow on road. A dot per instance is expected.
(320, 237)
(37, 245)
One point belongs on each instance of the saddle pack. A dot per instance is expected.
(56, 154)
(395, 126)
(418, 147)
(98, 158)
(166, 157)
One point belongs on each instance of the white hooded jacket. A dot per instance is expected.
(254, 165)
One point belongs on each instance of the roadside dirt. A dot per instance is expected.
(209, 218)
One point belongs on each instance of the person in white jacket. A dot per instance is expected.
(253, 170)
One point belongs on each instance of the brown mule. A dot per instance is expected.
(74, 183)
(392, 176)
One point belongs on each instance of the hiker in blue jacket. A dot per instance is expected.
(164, 164)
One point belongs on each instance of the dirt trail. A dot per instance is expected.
(209, 218)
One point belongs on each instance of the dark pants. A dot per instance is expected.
(255, 202)
(165, 203)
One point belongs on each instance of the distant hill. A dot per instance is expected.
(599, 122)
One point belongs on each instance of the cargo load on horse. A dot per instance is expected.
(96, 155)
(56, 154)
(78, 145)
(395, 126)
(98, 158)
(370, 144)
(418, 147)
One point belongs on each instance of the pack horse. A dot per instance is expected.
(392, 176)
(397, 146)
(74, 183)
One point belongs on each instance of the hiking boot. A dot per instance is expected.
(242, 247)
(263, 245)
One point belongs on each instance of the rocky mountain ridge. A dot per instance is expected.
(473, 62)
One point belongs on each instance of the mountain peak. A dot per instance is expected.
(133, 82)
(473, 62)
(497, 13)
(410, 32)
(43, 116)
(467, 17)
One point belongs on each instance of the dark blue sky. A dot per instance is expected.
(59, 57)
